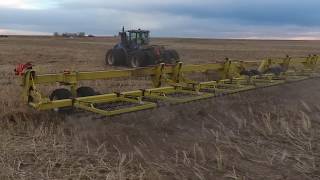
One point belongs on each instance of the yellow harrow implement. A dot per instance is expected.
(170, 84)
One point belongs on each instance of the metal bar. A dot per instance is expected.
(115, 112)
(52, 104)
(140, 72)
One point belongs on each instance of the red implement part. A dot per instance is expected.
(21, 68)
(157, 52)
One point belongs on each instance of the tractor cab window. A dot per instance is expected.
(133, 37)
(145, 38)
(140, 38)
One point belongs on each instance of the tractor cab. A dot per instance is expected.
(134, 38)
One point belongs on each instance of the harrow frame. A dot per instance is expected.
(170, 83)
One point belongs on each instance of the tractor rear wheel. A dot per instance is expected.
(167, 57)
(174, 54)
(150, 58)
(137, 59)
(60, 94)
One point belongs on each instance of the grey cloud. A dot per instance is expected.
(215, 19)
(272, 12)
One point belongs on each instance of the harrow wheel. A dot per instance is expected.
(275, 70)
(85, 91)
(250, 73)
(59, 94)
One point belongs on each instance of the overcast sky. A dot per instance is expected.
(268, 19)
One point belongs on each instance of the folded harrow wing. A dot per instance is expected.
(170, 84)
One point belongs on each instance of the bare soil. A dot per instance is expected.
(270, 133)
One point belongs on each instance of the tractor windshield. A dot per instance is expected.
(139, 37)
(145, 38)
(133, 36)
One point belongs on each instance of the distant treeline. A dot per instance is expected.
(72, 35)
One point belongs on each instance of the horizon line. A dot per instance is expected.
(181, 37)
(11, 32)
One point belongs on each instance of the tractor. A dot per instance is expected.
(134, 51)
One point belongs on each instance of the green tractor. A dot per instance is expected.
(134, 51)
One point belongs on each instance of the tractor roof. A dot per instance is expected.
(138, 31)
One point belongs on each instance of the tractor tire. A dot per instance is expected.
(110, 58)
(167, 57)
(119, 56)
(85, 91)
(137, 59)
(59, 94)
(174, 54)
(150, 58)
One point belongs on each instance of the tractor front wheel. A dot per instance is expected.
(110, 58)
(116, 57)
(137, 59)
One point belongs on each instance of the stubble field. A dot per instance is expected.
(271, 133)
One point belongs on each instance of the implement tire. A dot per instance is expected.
(60, 94)
(275, 70)
(250, 73)
(85, 91)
